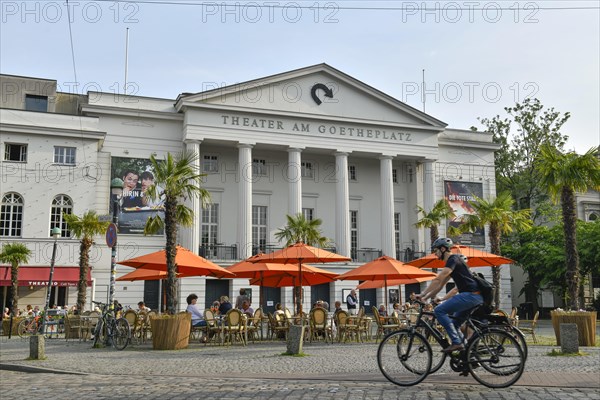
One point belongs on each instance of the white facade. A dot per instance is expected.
(367, 161)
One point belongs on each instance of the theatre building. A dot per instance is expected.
(313, 141)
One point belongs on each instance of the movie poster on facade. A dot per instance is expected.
(137, 175)
(458, 195)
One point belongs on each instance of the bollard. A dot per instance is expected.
(569, 338)
(37, 347)
(295, 339)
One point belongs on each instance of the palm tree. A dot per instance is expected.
(440, 212)
(84, 228)
(299, 229)
(15, 254)
(176, 179)
(563, 175)
(502, 219)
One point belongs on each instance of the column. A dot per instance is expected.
(342, 205)
(245, 201)
(428, 193)
(294, 176)
(388, 246)
(192, 234)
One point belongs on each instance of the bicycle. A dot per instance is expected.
(492, 355)
(110, 330)
(30, 326)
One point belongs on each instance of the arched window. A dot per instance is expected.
(61, 205)
(11, 215)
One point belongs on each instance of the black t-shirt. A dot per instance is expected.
(461, 275)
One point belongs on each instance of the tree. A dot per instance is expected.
(564, 174)
(540, 253)
(84, 228)
(299, 229)
(440, 212)
(176, 180)
(15, 254)
(502, 219)
(515, 169)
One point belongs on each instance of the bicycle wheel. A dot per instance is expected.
(121, 333)
(404, 357)
(23, 329)
(438, 358)
(99, 333)
(495, 359)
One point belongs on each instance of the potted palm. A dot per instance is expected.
(177, 179)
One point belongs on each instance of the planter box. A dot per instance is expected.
(585, 321)
(171, 332)
(6, 324)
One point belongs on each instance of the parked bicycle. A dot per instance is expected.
(492, 355)
(110, 330)
(30, 326)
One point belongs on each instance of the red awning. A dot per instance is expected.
(38, 276)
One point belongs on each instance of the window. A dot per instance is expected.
(394, 175)
(259, 228)
(259, 167)
(306, 169)
(36, 103)
(61, 205)
(354, 234)
(15, 152)
(210, 228)
(594, 215)
(397, 234)
(308, 213)
(64, 155)
(352, 172)
(11, 215)
(210, 164)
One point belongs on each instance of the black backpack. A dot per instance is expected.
(486, 289)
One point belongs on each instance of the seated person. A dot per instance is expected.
(279, 313)
(246, 309)
(6, 313)
(142, 307)
(215, 307)
(192, 308)
(225, 305)
(338, 307)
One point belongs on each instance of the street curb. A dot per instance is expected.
(38, 370)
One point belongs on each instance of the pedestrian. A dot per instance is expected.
(351, 302)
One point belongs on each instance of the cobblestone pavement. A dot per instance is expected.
(259, 371)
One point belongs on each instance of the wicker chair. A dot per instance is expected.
(318, 324)
(528, 327)
(234, 326)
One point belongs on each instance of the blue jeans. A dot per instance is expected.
(202, 322)
(459, 305)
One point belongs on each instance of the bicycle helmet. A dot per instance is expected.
(441, 242)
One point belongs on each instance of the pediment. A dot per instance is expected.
(300, 91)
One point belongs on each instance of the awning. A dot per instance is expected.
(38, 276)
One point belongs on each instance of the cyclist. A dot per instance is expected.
(467, 298)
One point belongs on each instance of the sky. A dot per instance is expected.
(478, 56)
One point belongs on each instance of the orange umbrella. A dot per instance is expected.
(391, 282)
(299, 253)
(475, 258)
(256, 270)
(310, 276)
(385, 268)
(142, 274)
(187, 263)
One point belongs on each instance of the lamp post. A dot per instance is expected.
(116, 189)
(55, 235)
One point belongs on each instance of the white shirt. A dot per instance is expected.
(197, 315)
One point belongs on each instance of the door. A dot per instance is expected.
(215, 288)
(319, 292)
(271, 296)
(368, 299)
(151, 294)
(411, 288)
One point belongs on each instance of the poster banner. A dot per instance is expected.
(458, 195)
(137, 175)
